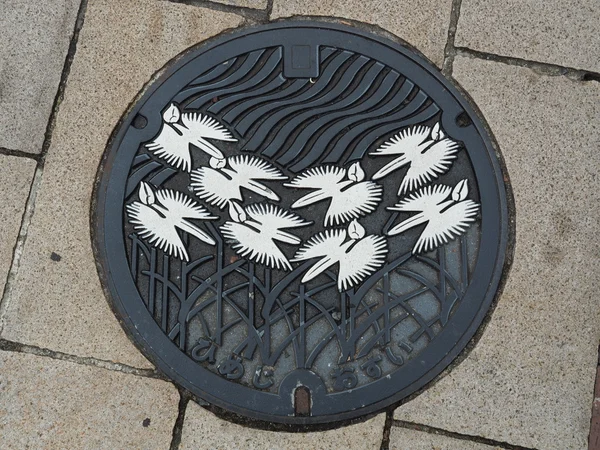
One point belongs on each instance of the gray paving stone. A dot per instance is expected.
(35, 38)
(59, 304)
(530, 379)
(424, 24)
(552, 31)
(15, 180)
(256, 4)
(51, 404)
(404, 439)
(202, 429)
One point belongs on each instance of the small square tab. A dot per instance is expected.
(301, 61)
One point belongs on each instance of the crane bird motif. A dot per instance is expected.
(253, 231)
(173, 141)
(350, 198)
(158, 215)
(218, 184)
(446, 218)
(428, 152)
(358, 257)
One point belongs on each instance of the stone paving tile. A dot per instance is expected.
(202, 429)
(552, 31)
(53, 404)
(35, 38)
(15, 180)
(424, 24)
(594, 442)
(404, 439)
(59, 304)
(530, 379)
(256, 4)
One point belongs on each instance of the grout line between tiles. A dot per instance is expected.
(459, 436)
(184, 399)
(539, 67)
(253, 14)
(387, 427)
(19, 153)
(20, 244)
(450, 49)
(16, 347)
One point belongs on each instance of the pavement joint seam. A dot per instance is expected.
(17, 347)
(387, 428)
(537, 66)
(19, 153)
(459, 436)
(256, 15)
(20, 243)
(450, 49)
(269, 9)
(184, 399)
(60, 92)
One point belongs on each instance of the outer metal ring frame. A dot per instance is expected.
(109, 245)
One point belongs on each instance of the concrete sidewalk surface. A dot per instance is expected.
(70, 377)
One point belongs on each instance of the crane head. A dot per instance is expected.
(217, 163)
(172, 114)
(437, 134)
(460, 191)
(356, 172)
(356, 230)
(146, 194)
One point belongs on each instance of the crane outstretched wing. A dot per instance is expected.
(202, 126)
(423, 199)
(452, 223)
(251, 244)
(181, 206)
(405, 142)
(254, 168)
(170, 146)
(214, 187)
(275, 216)
(322, 177)
(435, 161)
(325, 243)
(359, 199)
(159, 231)
(367, 255)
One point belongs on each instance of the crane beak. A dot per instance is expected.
(407, 224)
(209, 148)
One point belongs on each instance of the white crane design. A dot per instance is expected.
(350, 198)
(427, 150)
(446, 218)
(358, 257)
(219, 184)
(173, 141)
(253, 231)
(157, 216)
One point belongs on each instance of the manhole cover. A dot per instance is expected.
(301, 223)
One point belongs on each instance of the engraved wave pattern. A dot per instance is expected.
(301, 122)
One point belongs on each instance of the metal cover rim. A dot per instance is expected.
(123, 296)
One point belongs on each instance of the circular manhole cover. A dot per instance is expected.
(301, 223)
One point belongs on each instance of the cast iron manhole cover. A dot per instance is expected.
(301, 223)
